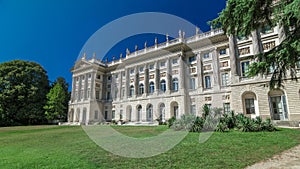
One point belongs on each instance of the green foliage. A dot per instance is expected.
(23, 89)
(55, 107)
(67, 95)
(240, 17)
(171, 121)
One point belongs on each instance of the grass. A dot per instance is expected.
(70, 147)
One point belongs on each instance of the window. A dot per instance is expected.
(121, 114)
(226, 108)
(192, 59)
(174, 61)
(163, 85)
(298, 64)
(245, 67)
(266, 29)
(207, 82)
(162, 64)
(123, 92)
(131, 91)
(116, 76)
(98, 76)
(192, 83)
(108, 86)
(105, 115)
(249, 104)
(141, 89)
(222, 51)
(97, 95)
(113, 114)
(175, 84)
(131, 71)
(90, 76)
(108, 96)
(96, 114)
(151, 87)
(141, 69)
(193, 109)
(206, 56)
(208, 105)
(151, 67)
(225, 78)
(109, 78)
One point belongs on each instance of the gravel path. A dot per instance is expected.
(289, 159)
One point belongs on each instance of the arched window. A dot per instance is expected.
(151, 87)
(141, 89)
(163, 85)
(149, 112)
(175, 84)
(131, 92)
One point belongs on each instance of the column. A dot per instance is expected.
(120, 85)
(281, 33)
(73, 89)
(79, 88)
(181, 72)
(233, 52)
(113, 86)
(146, 80)
(136, 81)
(169, 77)
(157, 78)
(216, 71)
(92, 94)
(85, 86)
(257, 46)
(127, 81)
(199, 72)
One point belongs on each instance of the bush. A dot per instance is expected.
(171, 121)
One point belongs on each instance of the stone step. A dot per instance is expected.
(286, 123)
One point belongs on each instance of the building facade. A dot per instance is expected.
(179, 77)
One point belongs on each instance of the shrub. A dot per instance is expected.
(171, 121)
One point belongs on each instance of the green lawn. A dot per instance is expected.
(70, 147)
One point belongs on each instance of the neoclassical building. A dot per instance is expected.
(178, 77)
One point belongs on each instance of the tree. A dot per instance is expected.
(241, 17)
(65, 86)
(55, 107)
(23, 88)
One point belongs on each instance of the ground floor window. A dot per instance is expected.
(249, 104)
(193, 109)
(226, 108)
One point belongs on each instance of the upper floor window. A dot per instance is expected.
(225, 78)
(266, 29)
(222, 52)
(175, 84)
(244, 68)
(141, 69)
(192, 59)
(141, 89)
(163, 85)
(205, 55)
(131, 91)
(109, 78)
(98, 76)
(131, 71)
(207, 82)
(174, 61)
(90, 75)
(162, 64)
(151, 87)
(192, 83)
(151, 67)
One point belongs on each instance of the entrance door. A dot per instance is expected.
(278, 108)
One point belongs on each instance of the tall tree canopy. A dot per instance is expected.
(55, 107)
(240, 17)
(60, 96)
(23, 89)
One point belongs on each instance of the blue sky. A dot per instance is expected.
(52, 32)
